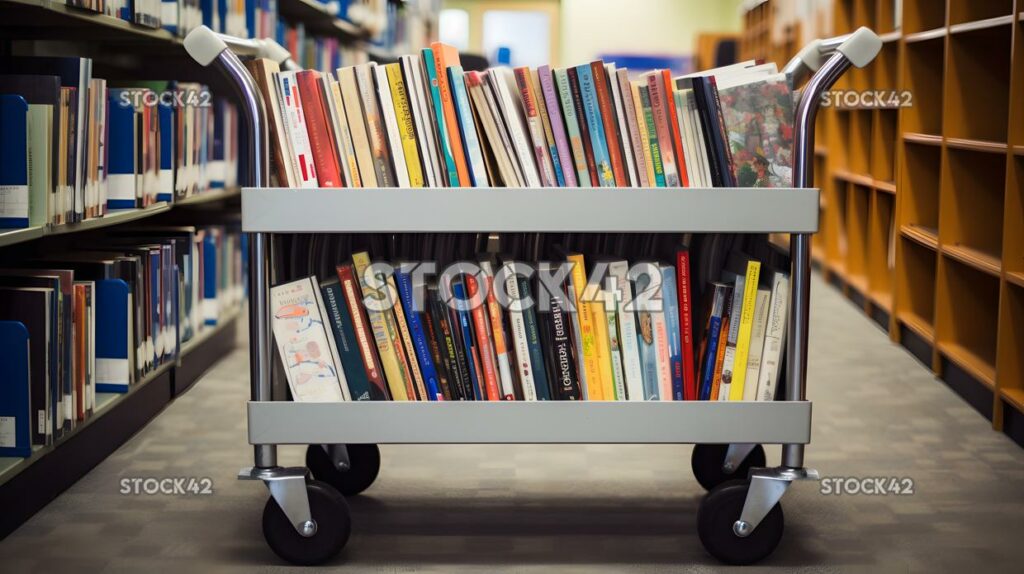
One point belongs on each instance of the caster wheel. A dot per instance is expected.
(719, 510)
(333, 526)
(365, 461)
(707, 460)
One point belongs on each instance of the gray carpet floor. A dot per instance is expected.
(599, 508)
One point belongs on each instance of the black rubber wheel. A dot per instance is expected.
(707, 460)
(365, 465)
(719, 510)
(333, 527)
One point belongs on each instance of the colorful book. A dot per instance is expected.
(364, 333)
(419, 336)
(345, 340)
(437, 105)
(746, 323)
(406, 128)
(384, 335)
(613, 140)
(475, 164)
(572, 126)
(566, 164)
(670, 304)
(595, 126)
(445, 56)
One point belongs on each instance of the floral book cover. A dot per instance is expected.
(759, 121)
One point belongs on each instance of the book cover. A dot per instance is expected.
(502, 81)
(488, 121)
(363, 333)
(647, 349)
(612, 137)
(31, 307)
(468, 340)
(419, 337)
(549, 134)
(625, 307)
(15, 402)
(14, 169)
(565, 384)
(307, 350)
(334, 108)
(572, 126)
(318, 130)
(626, 115)
(263, 70)
(451, 346)
(423, 122)
(646, 165)
(406, 126)
(759, 125)
(435, 340)
(445, 56)
(385, 335)
(565, 166)
(724, 373)
(520, 336)
(539, 147)
(614, 346)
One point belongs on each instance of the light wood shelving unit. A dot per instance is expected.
(923, 205)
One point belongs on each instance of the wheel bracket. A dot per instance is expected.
(767, 486)
(338, 453)
(735, 455)
(288, 488)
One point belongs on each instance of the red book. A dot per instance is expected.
(677, 141)
(483, 339)
(364, 334)
(686, 323)
(320, 141)
(588, 149)
(611, 126)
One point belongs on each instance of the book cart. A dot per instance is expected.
(307, 521)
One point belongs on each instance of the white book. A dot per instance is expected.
(339, 128)
(693, 171)
(614, 344)
(511, 110)
(761, 302)
(631, 369)
(387, 110)
(732, 337)
(420, 109)
(311, 362)
(518, 327)
(535, 125)
(298, 137)
(626, 142)
(503, 134)
(774, 338)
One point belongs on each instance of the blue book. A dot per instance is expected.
(442, 134)
(14, 206)
(343, 329)
(645, 342)
(15, 399)
(670, 307)
(467, 127)
(113, 313)
(714, 339)
(209, 263)
(540, 373)
(121, 150)
(165, 191)
(169, 15)
(595, 125)
(419, 337)
(466, 328)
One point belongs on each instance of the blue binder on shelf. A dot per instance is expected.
(121, 152)
(13, 162)
(210, 279)
(15, 400)
(165, 191)
(113, 327)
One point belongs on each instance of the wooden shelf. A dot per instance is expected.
(924, 139)
(971, 206)
(1009, 359)
(23, 18)
(928, 237)
(1014, 397)
(919, 325)
(977, 259)
(981, 13)
(978, 85)
(923, 75)
(857, 178)
(925, 36)
(915, 281)
(976, 145)
(964, 358)
(1016, 278)
(920, 184)
(885, 186)
(967, 27)
(920, 15)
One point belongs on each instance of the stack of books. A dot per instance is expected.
(76, 147)
(425, 122)
(102, 316)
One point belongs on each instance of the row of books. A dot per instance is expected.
(425, 122)
(501, 329)
(100, 317)
(315, 52)
(76, 147)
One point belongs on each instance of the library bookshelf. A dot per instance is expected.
(922, 220)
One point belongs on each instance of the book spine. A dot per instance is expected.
(474, 154)
(746, 323)
(406, 345)
(357, 126)
(711, 354)
(627, 334)
(774, 339)
(520, 339)
(615, 350)
(452, 332)
(445, 363)
(671, 309)
(328, 173)
(719, 119)
(549, 135)
(602, 346)
(389, 122)
(662, 353)
(629, 125)
(363, 332)
(652, 137)
(344, 339)
(571, 308)
(566, 386)
(646, 166)
(566, 165)
(406, 128)
(540, 377)
(297, 130)
(595, 126)
(677, 141)
(339, 369)
(383, 333)
(445, 56)
(584, 125)
(483, 339)
(501, 350)
(375, 130)
(588, 331)
(438, 108)
(465, 323)
(613, 139)
(536, 127)
(724, 373)
(419, 338)
(656, 92)
(579, 157)
(757, 332)
(686, 324)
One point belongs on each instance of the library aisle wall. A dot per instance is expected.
(466, 508)
(923, 193)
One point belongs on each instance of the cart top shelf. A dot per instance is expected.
(625, 210)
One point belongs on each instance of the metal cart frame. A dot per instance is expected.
(741, 425)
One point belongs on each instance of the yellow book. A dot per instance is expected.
(585, 315)
(739, 374)
(604, 354)
(410, 350)
(406, 128)
(642, 128)
(384, 332)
